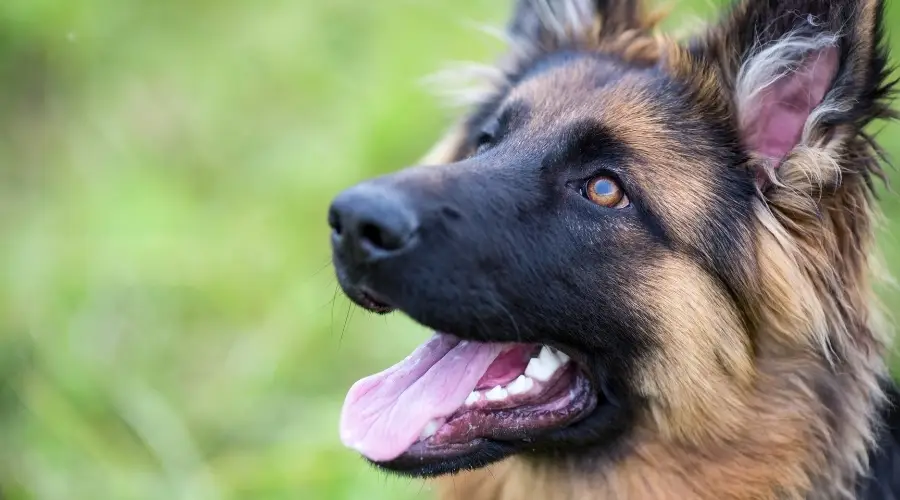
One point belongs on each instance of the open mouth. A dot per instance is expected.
(451, 396)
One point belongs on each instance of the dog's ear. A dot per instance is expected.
(556, 24)
(804, 77)
(799, 80)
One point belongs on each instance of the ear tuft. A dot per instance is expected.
(549, 25)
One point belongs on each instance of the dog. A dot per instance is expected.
(648, 262)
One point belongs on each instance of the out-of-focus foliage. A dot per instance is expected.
(169, 322)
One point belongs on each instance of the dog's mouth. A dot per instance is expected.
(451, 396)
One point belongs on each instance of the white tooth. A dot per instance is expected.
(520, 385)
(549, 358)
(496, 394)
(563, 357)
(539, 370)
(473, 398)
(430, 429)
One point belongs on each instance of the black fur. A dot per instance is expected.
(883, 479)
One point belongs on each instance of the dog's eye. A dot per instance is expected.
(484, 141)
(606, 192)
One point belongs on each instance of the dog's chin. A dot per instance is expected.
(560, 404)
(448, 460)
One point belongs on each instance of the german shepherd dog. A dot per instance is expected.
(648, 261)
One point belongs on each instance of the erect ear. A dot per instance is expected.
(802, 74)
(555, 24)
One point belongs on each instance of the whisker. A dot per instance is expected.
(347, 317)
(333, 300)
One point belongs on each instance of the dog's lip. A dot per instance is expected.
(451, 459)
(369, 300)
(374, 302)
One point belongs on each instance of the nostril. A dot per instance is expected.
(334, 220)
(372, 234)
(381, 237)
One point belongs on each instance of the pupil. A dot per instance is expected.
(604, 188)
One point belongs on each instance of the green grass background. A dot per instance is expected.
(169, 323)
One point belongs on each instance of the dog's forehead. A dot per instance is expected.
(586, 86)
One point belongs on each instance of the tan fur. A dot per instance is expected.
(772, 446)
(448, 147)
(694, 382)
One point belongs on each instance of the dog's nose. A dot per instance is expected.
(369, 221)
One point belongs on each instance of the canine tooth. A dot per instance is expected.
(563, 357)
(496, 394)
(473, 398)
(539, 370)
(549, 358)
(520, 385)
(430, 429)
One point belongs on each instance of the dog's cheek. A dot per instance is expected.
(702, 356)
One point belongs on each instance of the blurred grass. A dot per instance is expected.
(169, 323)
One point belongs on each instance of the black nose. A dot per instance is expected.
(370, 221)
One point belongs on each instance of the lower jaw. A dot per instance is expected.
(434, 457)
(469, 456)
(477, 454)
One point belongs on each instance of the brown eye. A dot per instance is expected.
(606, 192)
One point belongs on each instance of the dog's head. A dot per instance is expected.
(617, 231)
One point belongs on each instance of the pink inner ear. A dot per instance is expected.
(779, 112)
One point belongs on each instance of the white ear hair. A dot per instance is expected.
(566, 17)
(466, 84)
(773, 63)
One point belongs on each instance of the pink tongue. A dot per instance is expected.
(384, 414)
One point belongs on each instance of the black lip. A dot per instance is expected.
(372, 302)
(362, 295)
(472, 455)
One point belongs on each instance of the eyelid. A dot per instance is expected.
(604, 171)
(483, 141)
(500, 123)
